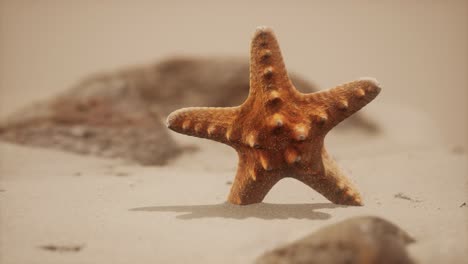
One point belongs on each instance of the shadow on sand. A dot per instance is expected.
(261, 210)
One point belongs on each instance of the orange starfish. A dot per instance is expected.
(279, 132)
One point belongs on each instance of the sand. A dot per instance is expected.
(57, 207)
(119, 212)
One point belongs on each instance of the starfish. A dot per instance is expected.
(278, 131)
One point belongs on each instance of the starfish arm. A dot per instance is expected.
(251, 184)
(331, 183)
(267, 69)
(345, 191)
(338, 103)
(204, 122)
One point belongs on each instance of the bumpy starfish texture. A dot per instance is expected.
(279, 132)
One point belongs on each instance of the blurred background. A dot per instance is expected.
(418, 50)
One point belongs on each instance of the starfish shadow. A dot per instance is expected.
(260, 210)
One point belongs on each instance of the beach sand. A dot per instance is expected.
(58, 207)
(119, 212)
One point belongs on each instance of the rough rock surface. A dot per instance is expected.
(120, 114)
(355, 240)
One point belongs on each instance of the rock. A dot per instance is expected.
(121, 114)
(62, 248)
(356, 240)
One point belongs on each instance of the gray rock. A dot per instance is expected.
(356, 240)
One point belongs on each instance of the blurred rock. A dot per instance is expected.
(356, 240)
(62, 248)
(121, 114)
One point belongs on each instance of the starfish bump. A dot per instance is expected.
(279, 132)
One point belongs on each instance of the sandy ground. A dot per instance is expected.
(119, 212)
